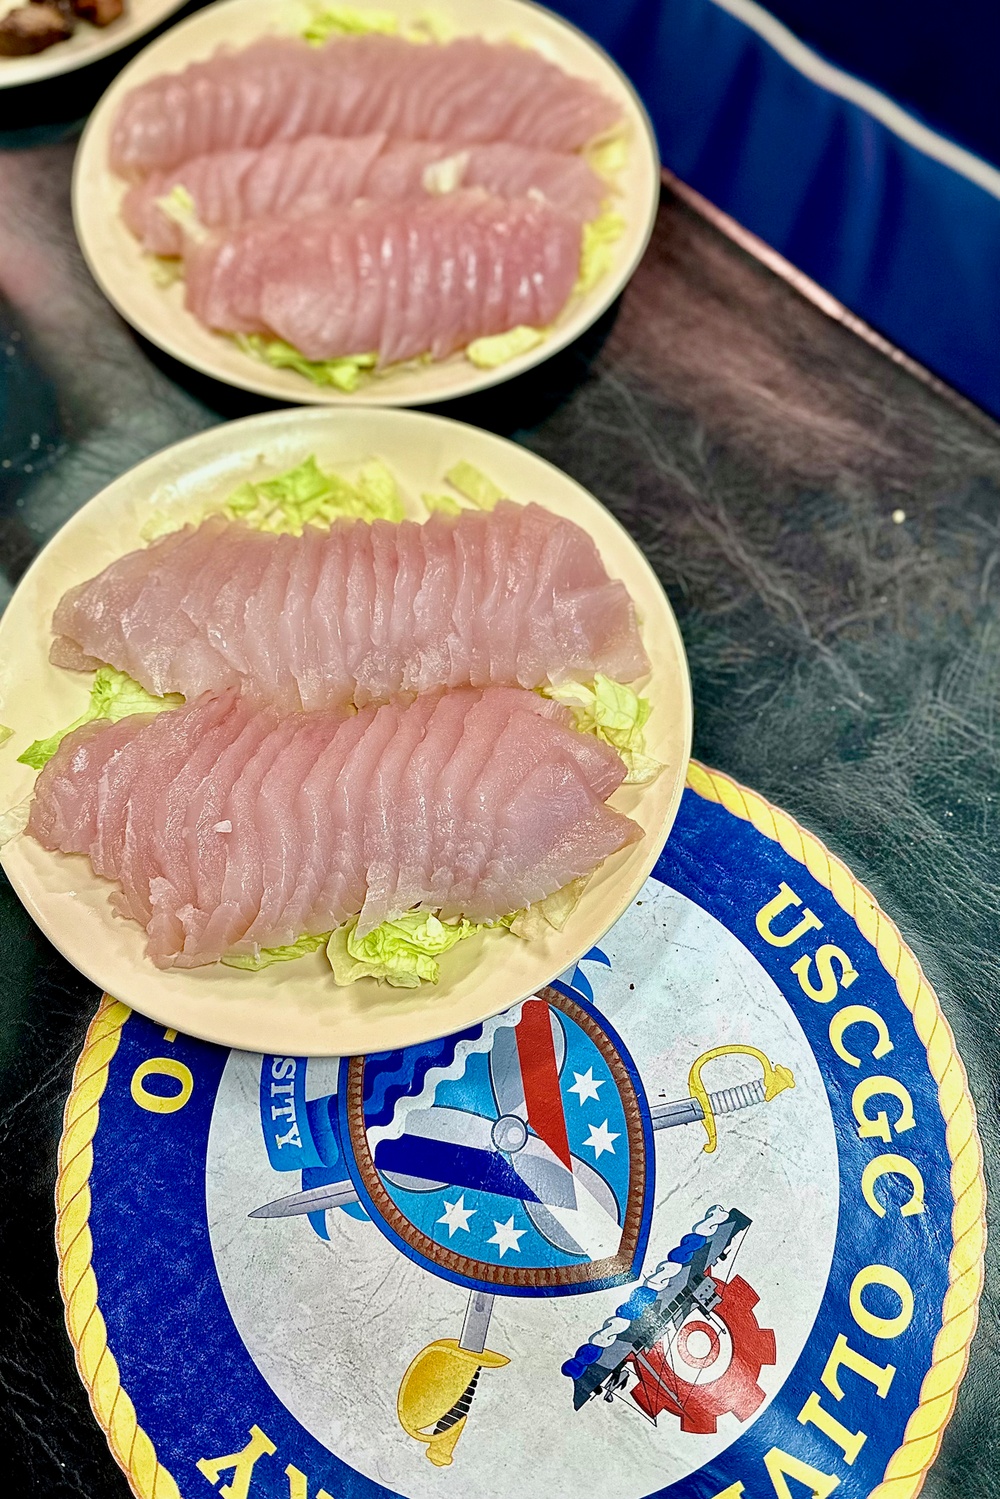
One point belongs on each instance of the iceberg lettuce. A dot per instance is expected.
(265, 956)
(488, 353)
(345, 374)
(596, 253)
(402, 953)
(307, 495)
(114, 695)
(474, 484)
(442, 503)
(341, 20)
(612, 712)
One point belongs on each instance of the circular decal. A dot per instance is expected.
(702, 1218)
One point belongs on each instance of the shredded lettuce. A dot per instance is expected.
(265, 956)
(612, 712)
(5, 733)
(341, 20)
(609, 154)
(553, 912)
(442, 503)
(179, 206)
(474, 484)
(345, 374)
(596, 254)
(306, 495)
(113, 696)
(14, 821)
(166, 270)
(488, 353)
(402, 953)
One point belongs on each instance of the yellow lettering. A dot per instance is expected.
(844, 1356)
(825, 958)
(881, 1327)
(765, 916)
(781, 1466)
(892, 1165)
(242, 1464)
(858, 1015)
(298, 1486)
(156, 1103)
(849, 1442)
(734, 1491)
(869, 1128)
(170, 1035)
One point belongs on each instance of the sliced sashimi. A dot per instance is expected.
(280, 89)
(291, 178)
(467, 803)
(372, 277)
(361, 612)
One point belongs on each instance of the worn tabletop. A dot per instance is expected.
(828, 529)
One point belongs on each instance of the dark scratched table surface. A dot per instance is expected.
(828, 530)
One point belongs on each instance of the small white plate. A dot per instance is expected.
(124, 273)
(296, 1007)
(87, 44)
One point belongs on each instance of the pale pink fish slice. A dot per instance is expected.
(385, 814)
(283, 851)
(300, 279)
(467, 90)
(317, 828)
(64, 808)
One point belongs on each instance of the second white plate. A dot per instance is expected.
(124, 273)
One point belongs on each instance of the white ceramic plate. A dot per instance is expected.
(124, 273)
(87, 44)
(296, 1007)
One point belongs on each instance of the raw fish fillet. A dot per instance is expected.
(400, 279)
(360, 612)
(229, 827)
(279, 89)
(317, 171)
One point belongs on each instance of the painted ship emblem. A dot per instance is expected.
(515, 1158)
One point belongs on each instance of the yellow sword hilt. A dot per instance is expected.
(436, 1392)
(776, 1080)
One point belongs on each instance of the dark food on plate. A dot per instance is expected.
(40, 24)
(374, 197)
(516, 596)
(230, 828)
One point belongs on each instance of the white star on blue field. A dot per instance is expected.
(486, 1226)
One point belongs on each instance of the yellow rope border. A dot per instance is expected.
(131, 1447)
(907, 1468)
(909, 1465)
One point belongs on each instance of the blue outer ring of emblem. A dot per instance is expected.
(474, 1283)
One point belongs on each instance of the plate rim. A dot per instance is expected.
(41, 913)
(103, 46)
(260, 378)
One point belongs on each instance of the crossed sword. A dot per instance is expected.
(470, 1349)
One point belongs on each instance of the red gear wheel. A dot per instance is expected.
(735, 1392)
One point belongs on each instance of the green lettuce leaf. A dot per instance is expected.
(341, 20)
(596, 252)
(112, 696)
(488, 353)
(474, 484)
(441, 502)
(5, 733)
(552, 912)
(344, 374)
(612, 712)
(402, 953)
(268, 955)
(306, 495)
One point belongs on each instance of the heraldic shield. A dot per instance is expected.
(471, 1155)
